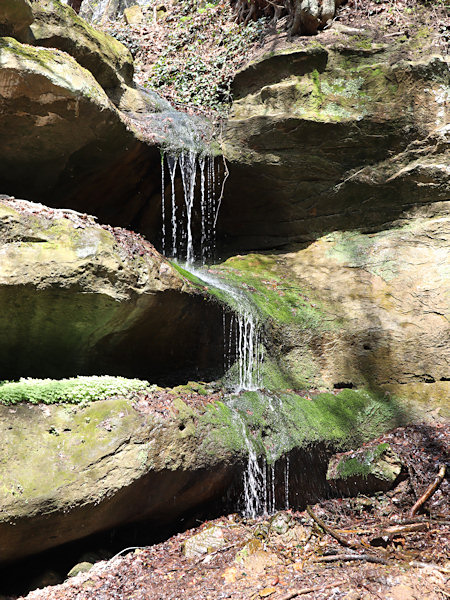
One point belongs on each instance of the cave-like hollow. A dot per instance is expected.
(167, 338)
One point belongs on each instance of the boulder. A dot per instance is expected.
(78, 298)
(74, 470)
(56, 25)
(364, 471)
(15, 17)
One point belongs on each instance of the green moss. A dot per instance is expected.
(275, 295)
(362, 464)
(318, 94)
(361, 42)
(274, 423)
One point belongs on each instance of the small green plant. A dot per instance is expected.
(194, 53)
(71, 391)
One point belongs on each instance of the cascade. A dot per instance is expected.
(243, 340)
(242, 331)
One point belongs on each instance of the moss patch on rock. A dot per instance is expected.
(275, 423)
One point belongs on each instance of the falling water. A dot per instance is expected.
(242, 337)
(194, 168)
(244, 328)
(286, 482)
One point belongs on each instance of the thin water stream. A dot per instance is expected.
(243, 346)
(188, 231)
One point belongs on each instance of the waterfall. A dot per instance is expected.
(244, 329)
(179, 222)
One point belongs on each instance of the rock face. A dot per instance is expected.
(387, 295)
(79, 299)
(360, 310)
(15, 17)
(72, 471)
(344, 136)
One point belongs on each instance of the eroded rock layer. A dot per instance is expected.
(339, 137)
(81, 299)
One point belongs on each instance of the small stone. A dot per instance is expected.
(82, 567)
(133, 15)
(281, 523)
(205, 542)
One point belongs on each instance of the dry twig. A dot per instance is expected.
(431, 489)
(309, 590)
(329, 530)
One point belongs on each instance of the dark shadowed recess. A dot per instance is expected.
(60, 333)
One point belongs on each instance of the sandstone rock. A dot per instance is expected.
(361, 310)
(366, 470)
(56, 25)
(79, 299)
(61, 137)
(15, 17)
(82, 567)
(388, 293)
(281, 522)
(133, 15)
(205, 542)
(74, 470)
(323, 138)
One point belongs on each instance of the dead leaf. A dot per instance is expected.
(268, 591)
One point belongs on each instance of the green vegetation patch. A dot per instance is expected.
(76, 390)
(361, 465)
(274, 293)
(194, 50)
(274, 423)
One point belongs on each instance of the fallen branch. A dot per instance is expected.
(431, 489)
(329, 530)
(310, 590)
(400, 529)
(348, 557)
(430, 566)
